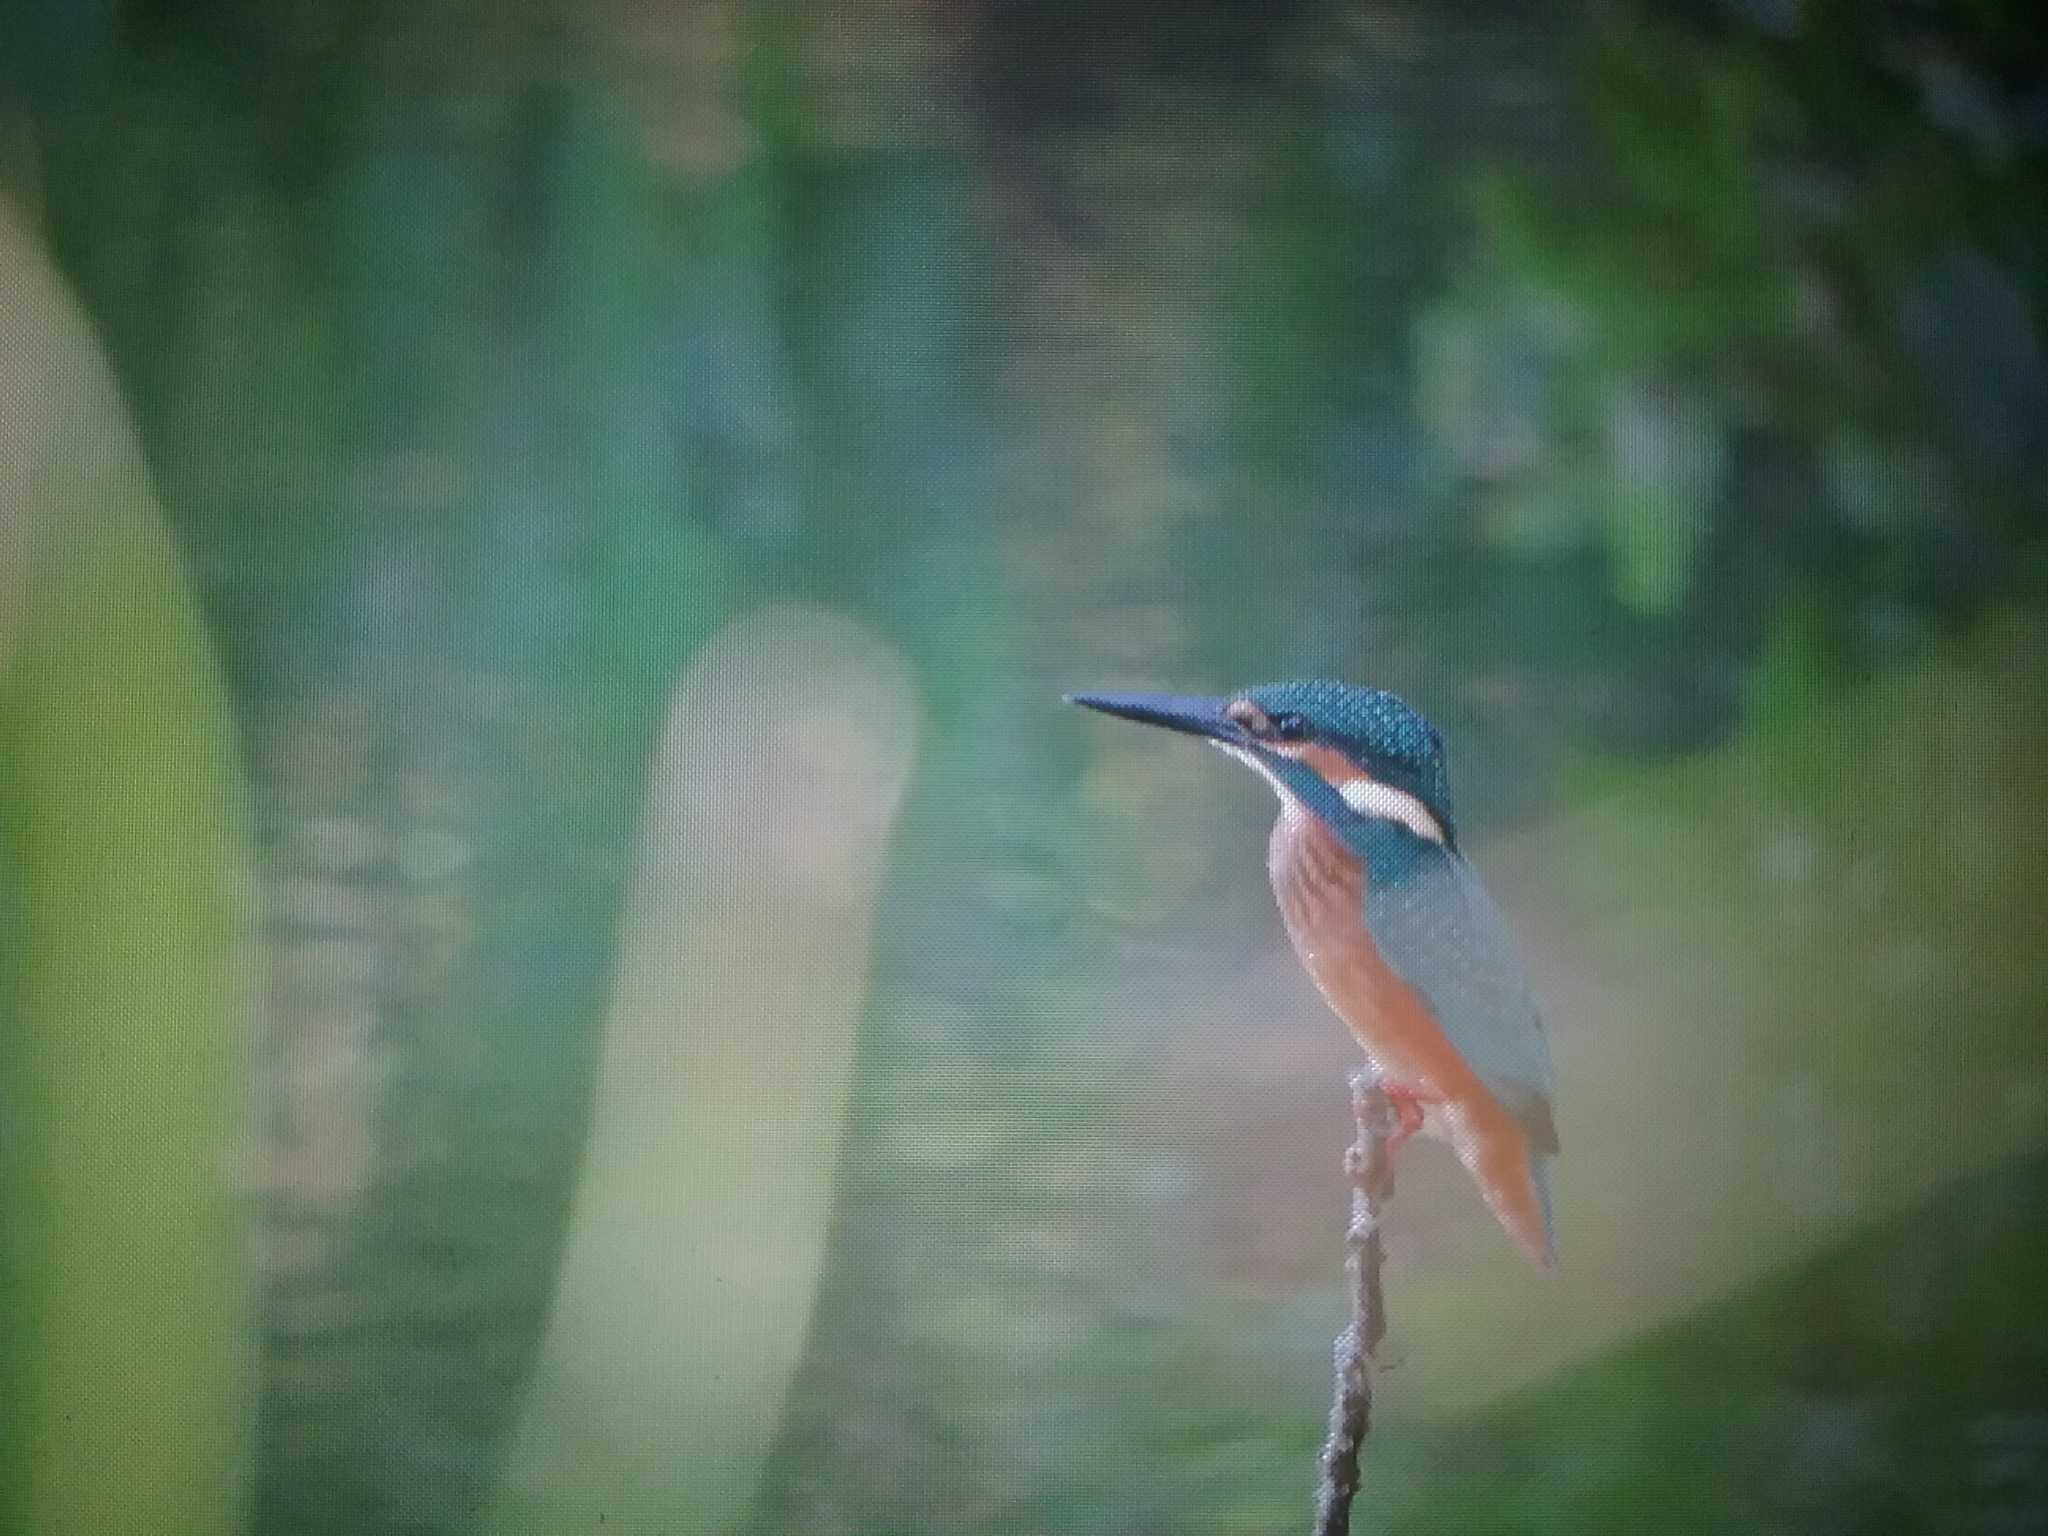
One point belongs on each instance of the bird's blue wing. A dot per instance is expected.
(1437, 927)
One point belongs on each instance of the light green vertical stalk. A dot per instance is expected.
(699, 1239)
(125, 1319)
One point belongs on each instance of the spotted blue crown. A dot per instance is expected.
(1378, 730)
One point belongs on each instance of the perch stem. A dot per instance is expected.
(1372, 1185)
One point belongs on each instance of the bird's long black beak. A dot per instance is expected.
(1192, 715)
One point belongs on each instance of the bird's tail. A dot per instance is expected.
(1512, 1175)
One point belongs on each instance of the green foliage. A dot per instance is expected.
(1306, 337)
(1744, 267)
(1800, 667)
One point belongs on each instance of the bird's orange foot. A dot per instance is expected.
(1408, 1106)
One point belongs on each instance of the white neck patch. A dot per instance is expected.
(1367, 796)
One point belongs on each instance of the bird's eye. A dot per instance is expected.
(1289, 727)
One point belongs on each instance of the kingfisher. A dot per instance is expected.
(1392, 923)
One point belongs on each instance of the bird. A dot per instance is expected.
(1392, 923)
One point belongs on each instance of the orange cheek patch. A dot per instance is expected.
(1332, 766)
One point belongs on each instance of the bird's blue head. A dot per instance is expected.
(1369, 746)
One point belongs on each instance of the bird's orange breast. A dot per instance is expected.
(1321, 887)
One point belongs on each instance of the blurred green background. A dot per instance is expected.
(566, 968)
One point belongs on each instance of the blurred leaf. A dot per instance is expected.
(1667, 457)
(129, 1341)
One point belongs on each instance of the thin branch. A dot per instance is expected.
(1372, 1185)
